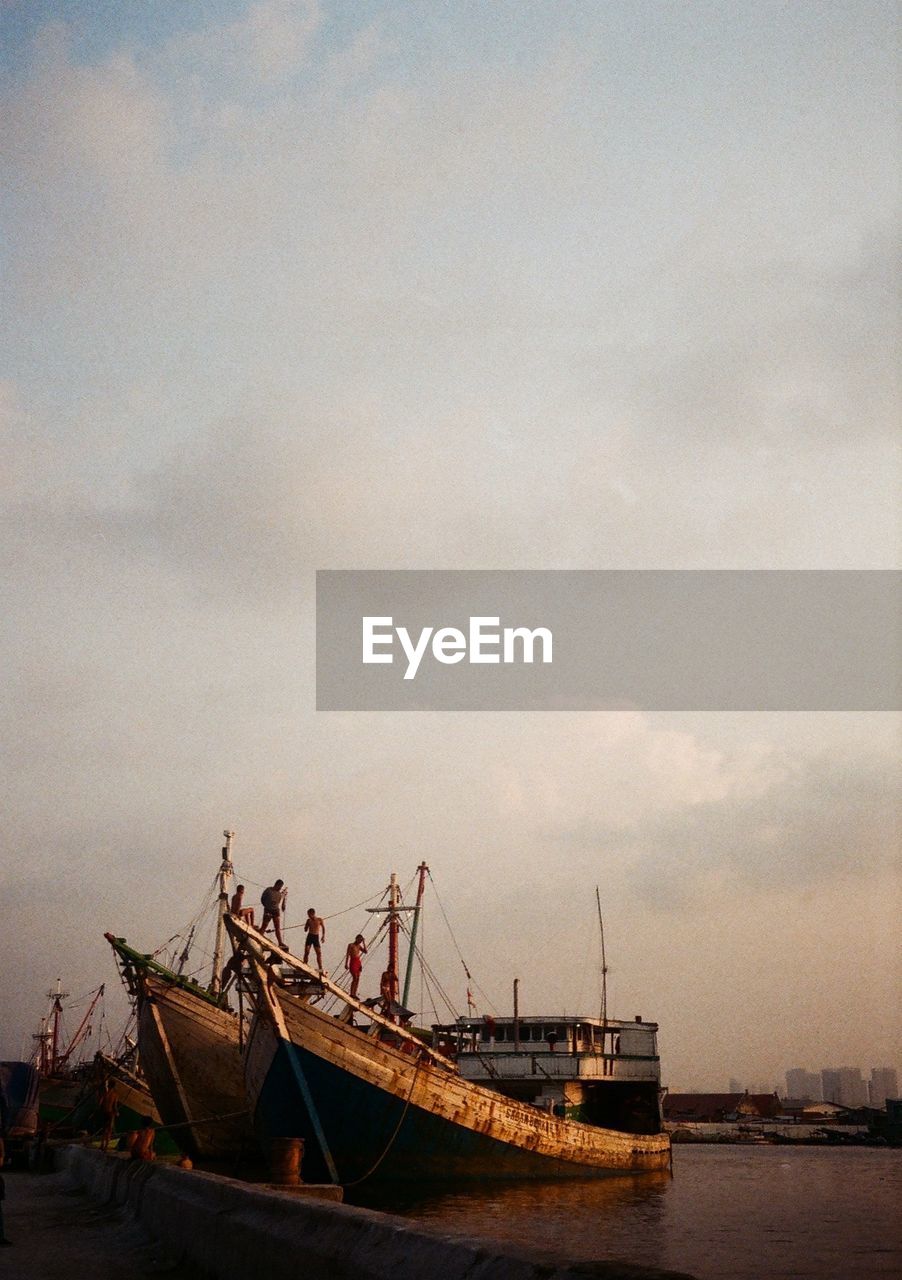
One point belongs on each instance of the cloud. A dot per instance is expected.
(266, 45)
(761, 822)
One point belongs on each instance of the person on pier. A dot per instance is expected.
(273, 900)
(141, 1143)
(354, 962)
(316, 935)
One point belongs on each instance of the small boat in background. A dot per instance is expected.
(63, 1080)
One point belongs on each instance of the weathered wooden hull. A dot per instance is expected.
(191, 1061)
(392, 1115)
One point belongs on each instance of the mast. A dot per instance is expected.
(604, 971)
(42, 1037)
(83, 1029)
(57, 996)
(423, 872)
(393, 931)
(394, 910)
(516, 1015)
(222, 906)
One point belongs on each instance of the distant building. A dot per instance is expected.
(808, 1112)
(884, 1083)
(830, 1085)
(845, 1086)
(734, 1087)
(804, 1084)
(717, 1108)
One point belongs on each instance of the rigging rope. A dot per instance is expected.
(470, 978)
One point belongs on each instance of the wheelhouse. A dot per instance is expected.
(600, 1072)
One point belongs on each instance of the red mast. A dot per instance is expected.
(84, 1028)
(394, 909)
(393, 931)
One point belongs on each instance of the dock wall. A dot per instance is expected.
(233, 1230)
(761, 1131)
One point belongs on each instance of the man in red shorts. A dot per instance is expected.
(354, 962)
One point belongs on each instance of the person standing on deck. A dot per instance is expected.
(316, 935)
(354, 962)
(273, 900)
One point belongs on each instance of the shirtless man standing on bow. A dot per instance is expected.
(316, 935)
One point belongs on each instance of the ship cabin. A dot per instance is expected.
(601, 1073)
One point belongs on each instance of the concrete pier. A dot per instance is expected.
(230, 1230)
(59, 1233)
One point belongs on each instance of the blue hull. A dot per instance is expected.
(371, 1132)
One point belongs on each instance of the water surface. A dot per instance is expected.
(731, 1212)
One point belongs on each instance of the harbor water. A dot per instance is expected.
(736, 1212)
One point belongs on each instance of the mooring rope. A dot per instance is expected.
(369, 1173)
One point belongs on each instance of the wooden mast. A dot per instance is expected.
(604, 972)
(222, 906)
(57, 997)
(394, 910)
(393, 931)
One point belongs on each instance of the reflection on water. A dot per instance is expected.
(579, 1218)
(731, 1212)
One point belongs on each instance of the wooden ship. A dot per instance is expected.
(188, 1045)
(523, 1098)
(62, 1080)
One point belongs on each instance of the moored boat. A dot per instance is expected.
(188, 1046)
(374, 1101)
(62, 1081)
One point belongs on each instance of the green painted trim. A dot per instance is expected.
(147, 964)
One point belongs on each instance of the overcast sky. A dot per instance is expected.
(298, 285)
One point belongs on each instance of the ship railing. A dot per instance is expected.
(557, 1066)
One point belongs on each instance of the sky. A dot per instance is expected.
(295, 285)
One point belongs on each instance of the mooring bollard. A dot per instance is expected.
(285, 1155)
